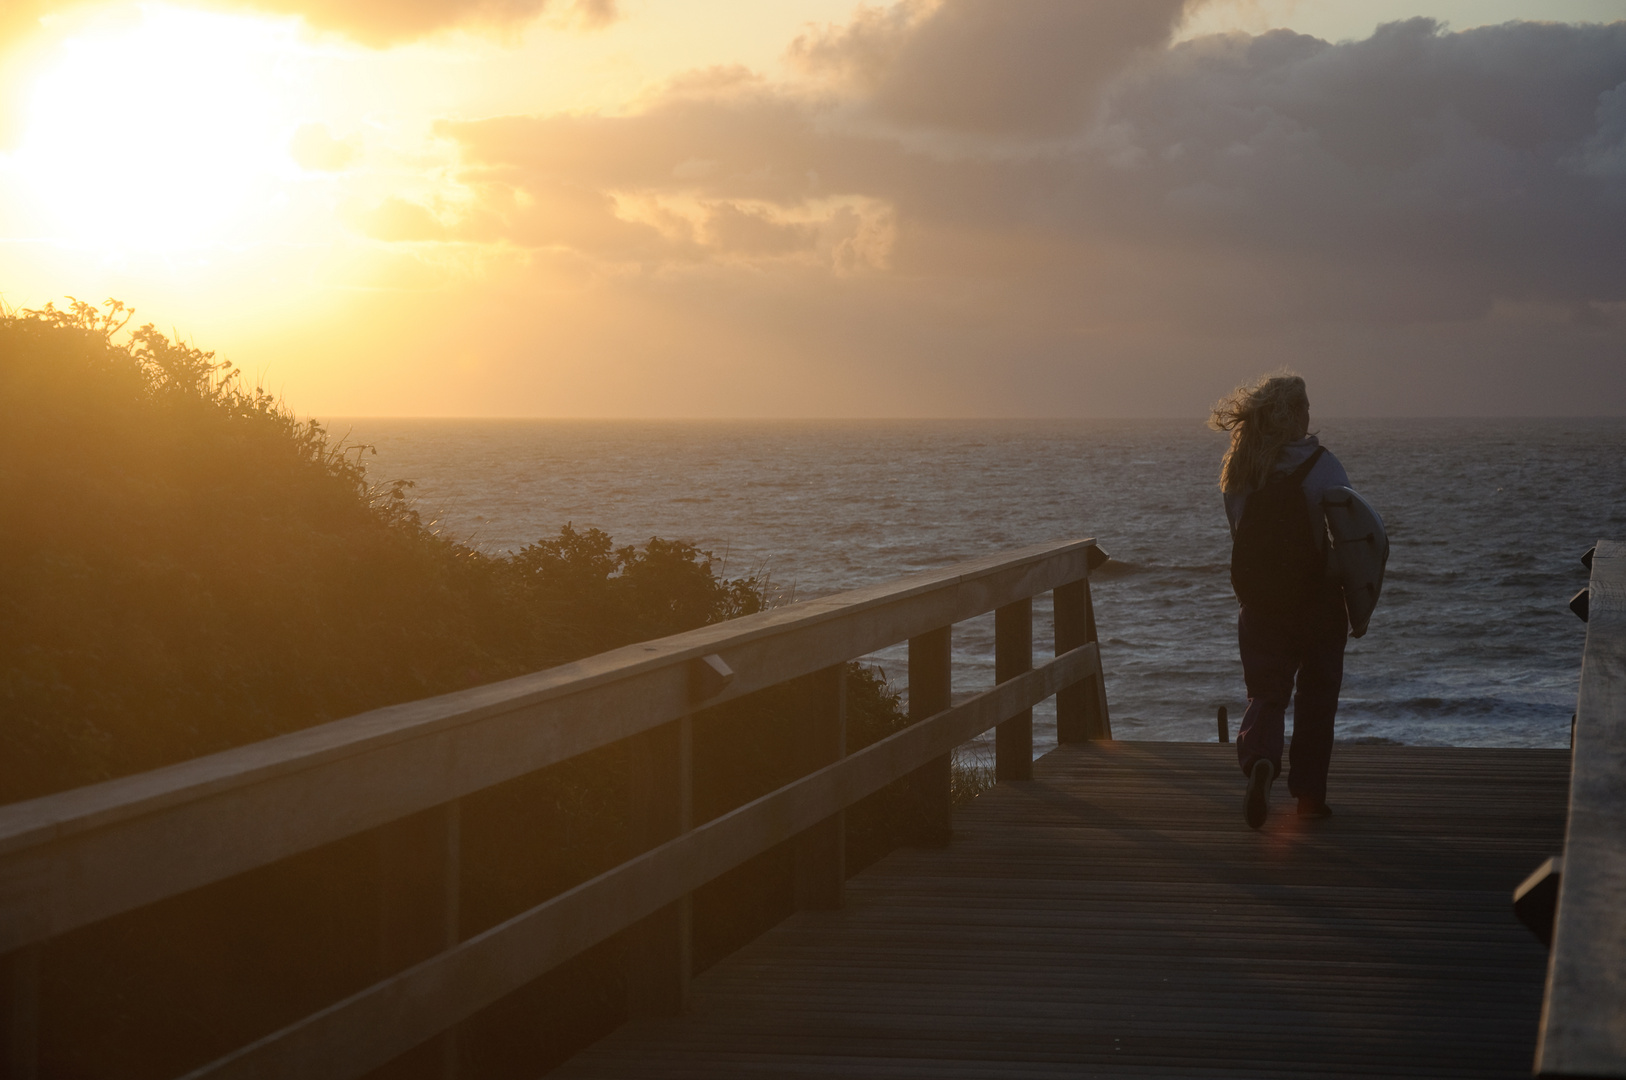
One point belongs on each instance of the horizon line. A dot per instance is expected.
(768, 418)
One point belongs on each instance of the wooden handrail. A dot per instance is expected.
(71, 859)
(1583, 1020)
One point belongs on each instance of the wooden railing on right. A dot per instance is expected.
(1583, 1022)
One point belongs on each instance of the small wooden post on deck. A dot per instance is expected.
(1013, 655)
(931, 680)
(659, 953)
(419, 897)
(821, 867)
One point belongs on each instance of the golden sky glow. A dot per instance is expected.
(163, 136)
(726, 207)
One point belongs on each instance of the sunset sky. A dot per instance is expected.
(698, 208)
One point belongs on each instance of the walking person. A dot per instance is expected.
(1292, 626)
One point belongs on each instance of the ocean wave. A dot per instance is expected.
(1430, 707)
(1118, 568)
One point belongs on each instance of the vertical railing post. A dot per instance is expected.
(659, 947)
(821, 867)
(1072, 627)
(1097, 724)
(420, 895)
(451, 913)
(1013, 655)
(20, 1012)
(1081, 709)
(931, 680)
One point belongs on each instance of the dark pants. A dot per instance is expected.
(1308, 648)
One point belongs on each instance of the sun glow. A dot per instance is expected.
(162, 134)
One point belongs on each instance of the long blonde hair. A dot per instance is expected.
(1261, 418)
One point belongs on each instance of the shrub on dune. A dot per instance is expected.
(188, 566)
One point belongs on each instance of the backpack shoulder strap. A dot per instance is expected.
(1298, 475)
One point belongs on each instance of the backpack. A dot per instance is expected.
(1275, 562)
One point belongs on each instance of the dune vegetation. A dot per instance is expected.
(187, 567)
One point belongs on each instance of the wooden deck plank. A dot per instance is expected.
(1115, 917)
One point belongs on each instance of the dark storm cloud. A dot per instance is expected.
(1486, 158)
(372, 22)
(988, 65)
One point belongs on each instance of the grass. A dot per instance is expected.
(971, 773)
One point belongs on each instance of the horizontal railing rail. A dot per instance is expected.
(368, 1029)
(1583, 1021)
(72, 859)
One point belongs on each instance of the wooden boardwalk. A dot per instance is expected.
(1115, 917)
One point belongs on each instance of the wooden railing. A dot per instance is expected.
(69, 860)
(1583, 1021)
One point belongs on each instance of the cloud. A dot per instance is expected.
(735, 228)
(1604, 154)
(389, 22)
(1401, 212)
(595, 14)
(719, 169)
(1460, 167)
(1415, 156)
(988, 66)
(398, 220)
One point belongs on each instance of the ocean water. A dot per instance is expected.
(1472, 644)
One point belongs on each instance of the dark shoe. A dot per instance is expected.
(1312, 808)
(1256, 803)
